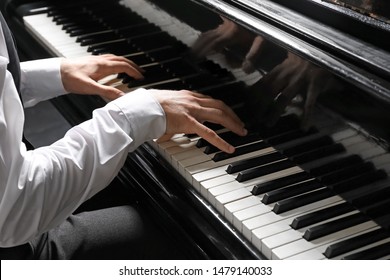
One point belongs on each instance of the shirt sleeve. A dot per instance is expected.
(42, 187)
(41, 80)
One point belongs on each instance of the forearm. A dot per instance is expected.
(49, 183)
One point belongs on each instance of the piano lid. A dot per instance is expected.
(313, 31)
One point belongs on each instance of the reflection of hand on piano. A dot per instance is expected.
(294, 82)
(229, 36)
(81, 75)
(186, 111)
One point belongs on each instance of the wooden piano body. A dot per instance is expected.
(346, 44)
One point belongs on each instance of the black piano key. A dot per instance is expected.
(332, 163)
(318, 153)
(334, 226)
(357, 195)
(301, 200)
(321, 215)
(253, 162)
(374, 253)
(203, 80)
(152, 74)
(165, 53)
(286, 133)
(319, 167)
(358, 181)
(68, 27)
(295, 190)
(180, 68)
(139, 58)
(242, 150)
(311, 143)
(355, 243)
(280, 183)
(63, 19)
(234, 140)
(153, 40)
(348, 171)
(311, 155)
(364, 176)
(377, 208)
(135, 30)
(252, 173)
(119, 17)
(290, 135)
(118, 48)
(290, 191)
(84, 30)
(169, 85)
(383, 221)
(285, 123)
(369, 196)
(97, 38)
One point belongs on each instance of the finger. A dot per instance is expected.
(108, 92)
(164, 138)
(128, 61)
(112, 64)
(222, 116)
(125, 67)
(209, 102)
(212, 137)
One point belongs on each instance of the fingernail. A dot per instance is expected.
(231, 149)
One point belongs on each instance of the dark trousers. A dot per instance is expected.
(115, 232)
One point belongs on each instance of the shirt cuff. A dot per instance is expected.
(144, 117)
(41, 80)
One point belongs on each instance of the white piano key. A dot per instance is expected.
(194, 169)
(270, 243)
(248, 213)
(53, 36)
(239, 205)
(205, 186)
(300, 245)
(256, 223)
(229, 197)
(317, 253)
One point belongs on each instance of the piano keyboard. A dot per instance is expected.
(316, 194)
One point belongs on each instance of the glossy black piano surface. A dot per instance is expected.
(352, 64)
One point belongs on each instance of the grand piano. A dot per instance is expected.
(289, 192)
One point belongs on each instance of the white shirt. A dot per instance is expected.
(39, 189)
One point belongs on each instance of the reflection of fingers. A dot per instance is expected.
(284, 99)
(253, 54)
(311, 98)
(263, 93)
(206, 43)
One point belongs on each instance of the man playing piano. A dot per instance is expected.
(41, 188)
